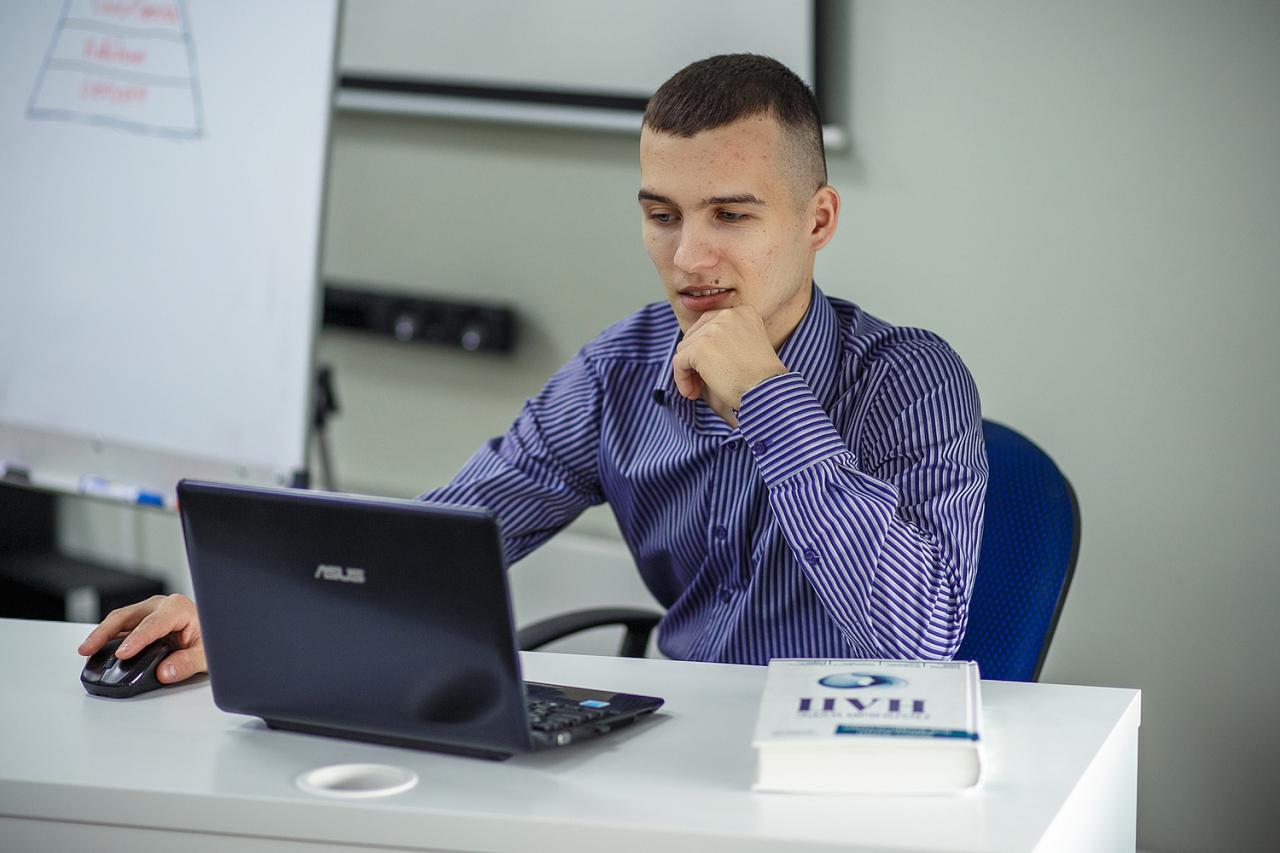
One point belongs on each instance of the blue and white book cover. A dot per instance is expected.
(855, 700)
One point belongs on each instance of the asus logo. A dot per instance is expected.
(338, 573)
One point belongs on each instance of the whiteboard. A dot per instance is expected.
(161, 189)
(571, 46)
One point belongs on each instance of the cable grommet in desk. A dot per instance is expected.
(357, 781)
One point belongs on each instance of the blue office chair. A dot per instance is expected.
(1030, 540)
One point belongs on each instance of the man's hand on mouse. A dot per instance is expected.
(148, 621)
(724, 355)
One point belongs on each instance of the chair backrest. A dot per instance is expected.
(1030, 540)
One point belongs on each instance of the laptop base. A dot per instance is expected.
(387, 740)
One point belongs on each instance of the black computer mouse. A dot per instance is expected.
(105, 675)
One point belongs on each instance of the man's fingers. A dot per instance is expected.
(688, 382)
(120, 619)
(698, 325)
(152, 627)
(181, 665)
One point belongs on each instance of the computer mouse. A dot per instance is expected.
(106, 675)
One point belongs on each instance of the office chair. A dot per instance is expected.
(1030, 541)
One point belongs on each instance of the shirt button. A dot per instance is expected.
(726, 594)
(810, 556)
(733, 445)
(761, 447)
(720, 531)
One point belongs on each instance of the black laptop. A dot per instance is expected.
(375, 619)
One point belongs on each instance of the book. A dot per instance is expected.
(869, 726)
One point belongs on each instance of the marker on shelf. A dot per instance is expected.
(101, 487)
(146, 498)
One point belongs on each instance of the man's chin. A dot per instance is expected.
(683, 317)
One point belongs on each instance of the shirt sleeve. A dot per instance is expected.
(887, 532)
(543, 472)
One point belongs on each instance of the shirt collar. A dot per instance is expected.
(696, 414)
(812, 350)
(665, 390)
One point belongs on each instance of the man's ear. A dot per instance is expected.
(824, 210)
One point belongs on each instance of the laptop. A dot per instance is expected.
(375, 619)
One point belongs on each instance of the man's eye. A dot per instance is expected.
(660, 218)
(731, 216)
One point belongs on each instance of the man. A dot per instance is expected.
(793, 476)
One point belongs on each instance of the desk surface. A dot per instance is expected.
(679, 781)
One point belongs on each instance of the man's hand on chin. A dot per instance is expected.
(724, 355)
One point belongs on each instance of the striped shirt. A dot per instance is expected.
(841, 518)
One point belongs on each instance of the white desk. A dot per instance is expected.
(169, 771)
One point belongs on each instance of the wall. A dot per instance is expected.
(1082, 197)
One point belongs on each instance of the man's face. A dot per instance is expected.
(723, 223)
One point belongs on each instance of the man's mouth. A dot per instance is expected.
(701, 299)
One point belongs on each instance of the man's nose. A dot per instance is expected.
(696, 252)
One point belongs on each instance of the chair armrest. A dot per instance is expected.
(639, 625)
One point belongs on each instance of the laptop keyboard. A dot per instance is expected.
(560, 722)
(560, 715)
(550, 715)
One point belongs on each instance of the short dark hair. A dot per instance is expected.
(720, 90)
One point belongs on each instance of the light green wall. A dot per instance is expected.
(1083, 197)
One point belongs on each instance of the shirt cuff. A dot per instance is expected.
(786, 427)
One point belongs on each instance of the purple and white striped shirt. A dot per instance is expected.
(842, 518)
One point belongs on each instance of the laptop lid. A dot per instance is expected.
(372, 618)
